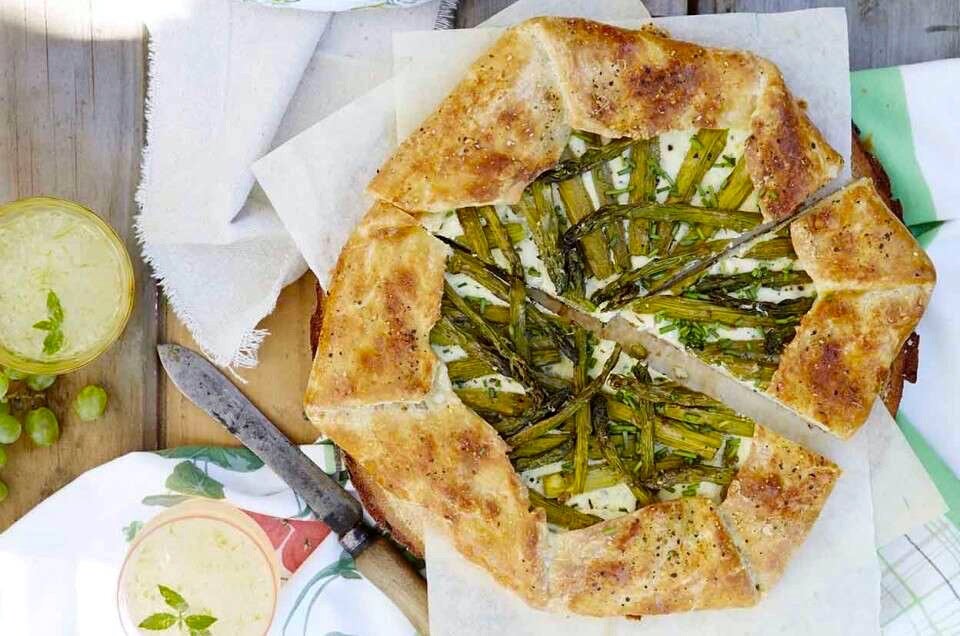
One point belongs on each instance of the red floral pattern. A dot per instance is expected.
(293, 539)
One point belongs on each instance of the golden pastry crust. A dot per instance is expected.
(640, 83)
(833, 370)
(402, 520)
(787, 157)
(379, 392)
(447, 461)
(502, 126)
(668, 557)
(389, 265)
(873, 282)
(509, 119)
(430, 459)
(852, 240)
(423, 457)
(904, 367)
(773, 502)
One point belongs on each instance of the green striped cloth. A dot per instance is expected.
(908, 117)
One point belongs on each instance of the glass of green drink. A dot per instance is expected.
(66, 286)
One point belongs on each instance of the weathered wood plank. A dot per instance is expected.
(881, 33)
(71, 125)
(473, 12)
(667, 7)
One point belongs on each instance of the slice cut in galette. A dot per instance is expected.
(589, 162)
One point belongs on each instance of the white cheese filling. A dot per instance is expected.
(469, 288)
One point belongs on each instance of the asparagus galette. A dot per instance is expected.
(588, 164)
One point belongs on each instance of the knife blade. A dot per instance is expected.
(217, 396)
(736, 244)
(207, 387)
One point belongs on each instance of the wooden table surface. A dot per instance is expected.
(72, 82)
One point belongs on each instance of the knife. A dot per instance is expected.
(737, 243)
(696, 266)
(375, 557)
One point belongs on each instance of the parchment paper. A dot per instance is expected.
(904, 495)
(315, 182)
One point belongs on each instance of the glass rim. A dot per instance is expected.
(66, 365)
(187, 510)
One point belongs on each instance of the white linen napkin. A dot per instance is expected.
(222, 74)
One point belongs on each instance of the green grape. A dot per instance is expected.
(4, 407)
(40, 382)
(4, 385)
(42, 426)
(3, 491)
(13, 374)
(3, 457)
(9, 429)
(90, 402)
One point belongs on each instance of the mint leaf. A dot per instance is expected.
(199, 621)
(54, 308)
(53, 342)
(172, 599)
(130, 531)
(157, 622)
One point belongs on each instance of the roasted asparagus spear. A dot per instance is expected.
(560, 515)
(592, 222)
(574, 404)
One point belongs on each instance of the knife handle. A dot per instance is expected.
(383, 565)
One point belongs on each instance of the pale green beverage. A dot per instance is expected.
(66, 285)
